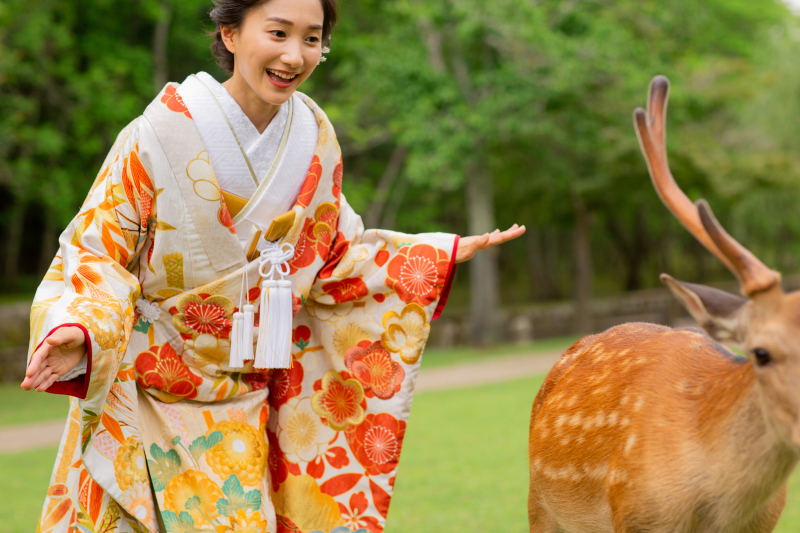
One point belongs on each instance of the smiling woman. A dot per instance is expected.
(254, 368)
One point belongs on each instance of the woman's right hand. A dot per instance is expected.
(58, 354)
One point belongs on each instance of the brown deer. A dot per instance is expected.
(644, 428)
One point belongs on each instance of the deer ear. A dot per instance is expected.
(718, 312)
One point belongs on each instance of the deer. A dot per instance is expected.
(646, 428)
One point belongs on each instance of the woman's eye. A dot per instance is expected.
(313, 39)
(278, 33)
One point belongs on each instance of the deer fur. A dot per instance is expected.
(645, 428)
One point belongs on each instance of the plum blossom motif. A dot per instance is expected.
(199, 314)
(374, 368)
(354, 516)
(338, 250)
(160, 368)
(279, 466)
(315, 238)
(338, 172)
(376, 442)
(311, 182)
(300, 434)
(285, 384)
(407, 332)
(174, 101)
(418, 273)
(339, 401)
(347, 290)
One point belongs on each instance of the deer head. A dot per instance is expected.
(766, 323)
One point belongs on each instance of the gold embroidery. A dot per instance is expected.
(173, 264)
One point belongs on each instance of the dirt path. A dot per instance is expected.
(497, 369)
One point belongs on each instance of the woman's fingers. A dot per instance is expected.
(469, 245)
(42, 378)
(35, 365)
(69, 337)
(49, 383)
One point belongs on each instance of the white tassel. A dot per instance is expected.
(275, 326)
(236, 341)
(247, 333)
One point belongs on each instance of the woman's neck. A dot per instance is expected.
(257, 110)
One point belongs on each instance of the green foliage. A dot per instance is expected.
(539, 94)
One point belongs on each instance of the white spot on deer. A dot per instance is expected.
(629, 443)
(572, 401)
(537, 464)
(598, 472)
(639, 404)
(613, 418)
(624, 399)
(625, 421)
(575, 420)
(617, 476)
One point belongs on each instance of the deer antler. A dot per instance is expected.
(753, 275)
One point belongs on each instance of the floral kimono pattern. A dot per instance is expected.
(162, 434)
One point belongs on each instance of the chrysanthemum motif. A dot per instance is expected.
(103, 320)
(130, 465)
(242, 524)
(242, 451)
(407, 332)
(195, 493)
(139, 501)
(198, 316)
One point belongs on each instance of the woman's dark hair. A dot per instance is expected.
(231, 14)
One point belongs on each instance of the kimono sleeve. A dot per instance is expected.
(410, 273)
(90, 283)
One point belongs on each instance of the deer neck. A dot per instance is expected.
(757, 461)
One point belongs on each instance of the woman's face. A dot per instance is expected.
(276, 47)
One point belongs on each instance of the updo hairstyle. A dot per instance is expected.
(231, 14)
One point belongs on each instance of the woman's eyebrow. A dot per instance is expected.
(290, 23)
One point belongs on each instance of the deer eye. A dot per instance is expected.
(762, 356)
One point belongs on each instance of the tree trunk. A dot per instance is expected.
(538, 272)
(160, 47)
(483, 278)
(389, 218)
(385, 184)
(582, 291)
(14, 245)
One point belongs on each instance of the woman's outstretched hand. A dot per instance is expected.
(58, 354)
(467, 246)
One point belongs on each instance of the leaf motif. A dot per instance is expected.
(110, 517)
(236, 499)
(142, 326)
(163, 466)
(202, 444)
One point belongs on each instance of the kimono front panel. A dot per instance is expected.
(329, 429)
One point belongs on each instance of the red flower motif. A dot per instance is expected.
(279, 467)
(161, 368)
(339, 248)
(376, 442)
(224, 217)
(346, 290)
(257, 380)
(301, 336)
(311, 182)
(374, 368)
(285, 384)
(353, 517)
(199, 314)
(305, 248)
(174, 101)
(285, 525)
(418, 273)
(337, 179)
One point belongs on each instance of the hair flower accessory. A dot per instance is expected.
(322, 58)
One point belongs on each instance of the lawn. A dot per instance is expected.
(23, 407)
(464, 465)
(434, 357)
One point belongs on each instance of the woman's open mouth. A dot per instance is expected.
(281, 79)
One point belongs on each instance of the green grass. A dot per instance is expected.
(24, 407)
(435, 357)
(26, 476)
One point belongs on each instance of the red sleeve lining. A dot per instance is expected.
(79, 385)
(451, 273)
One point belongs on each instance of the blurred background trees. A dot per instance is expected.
(453, 115)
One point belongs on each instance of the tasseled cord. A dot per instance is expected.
(275, 324)
(242, 330)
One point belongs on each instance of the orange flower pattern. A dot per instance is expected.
(418, 273)
(174, 101)
(330, 427)
(160, 368)
(374, 368)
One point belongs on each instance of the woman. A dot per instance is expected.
(162, 314)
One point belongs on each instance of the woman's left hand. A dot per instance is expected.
(467, 246)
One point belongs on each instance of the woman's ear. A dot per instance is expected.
(227, 38)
